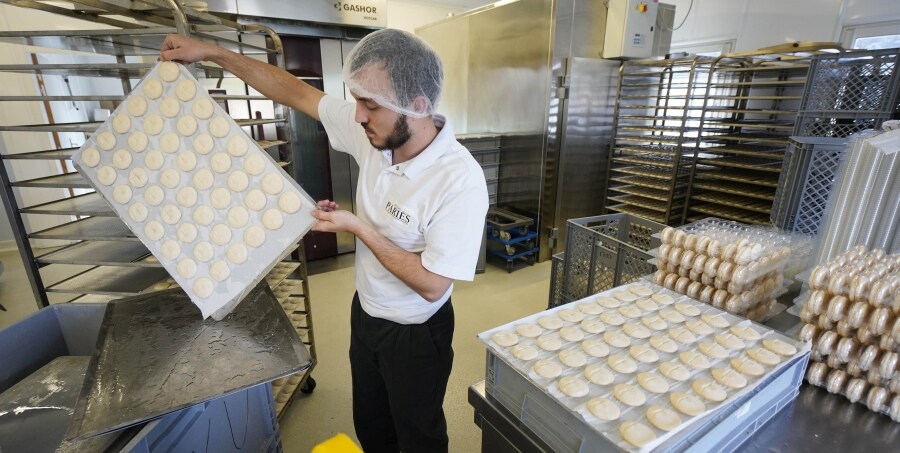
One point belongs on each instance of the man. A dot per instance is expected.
(422, 204)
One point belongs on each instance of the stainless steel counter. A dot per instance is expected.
(816, 421)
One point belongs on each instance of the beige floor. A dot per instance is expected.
(494, 298)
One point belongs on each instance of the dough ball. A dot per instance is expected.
(547, 369)
(663, 344)
(505, 339)
(220, 234)
(779, 347)
(698, 327)
(746, 333)
(549, 342)
(154, 230)
(138, 141)
(203, 287)
(204, 215)
(566, 314)
(524, 352)
(121, 159)
(671, 315)
(654, 322)
(687, 309)
(273, 183)
(663, 418)
(219, 127)
(122, 194)
(573, 386)
(716, 320)
(255, 200)
(106, 175)
(186, 126)
(254, 164)
(643, 353)
(682, 335)
(219, 271)
(674, 370)
(186, 161)
(237, 217)
(572, 357)
(236, 253)
(254, 236)
(220, 162)
(641, 290)
(637, 434)
(137, 105)
(202, 108)
(571, 333)
(203, 143)
(203, 180)
(647, 305)
(272, 219)
(636, 330)
(608, 302)
(687, 404)
(630, 311)
(621, 364)
(170, 107)
(186, 90)
(168, 71)
(595, 348)
(652, 382)
(713, 350)
(730, 341)
(603, 409)
(153, 195)
(138, 212)
(170, 178)
(237, 146)
(121, 123)
(238, 181)
(612, 318)
(529, 330)
(152, 88)
(220, 198)
(624, 296)
(186, 233)
(90, 157)
(153, 124)
(592, 325)
(203, 251)
(629, 395)
(169, 142)
(106, 140)
(709, 390)
(599, 374)
(154, 160)
(170, 214)
(588, 308)
(662, 299)
(729, 378)
(764, 356)
(186, 196)
(617, 339)
(170, 249)
(694, 360)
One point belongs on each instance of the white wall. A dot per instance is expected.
(408, 15)
(752, 24)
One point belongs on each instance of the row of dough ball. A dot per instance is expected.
(139, 140)
(220, 198)
(738, 250)
(236, 181)
(845, 316)
(875, 397)
(169, 143)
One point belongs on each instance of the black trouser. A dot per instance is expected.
(400, 375)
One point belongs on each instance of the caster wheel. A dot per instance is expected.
(509, 267)
(530, 260)
(523, 230)
(308, 386)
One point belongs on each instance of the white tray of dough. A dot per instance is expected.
(639, 363)
(205, 199)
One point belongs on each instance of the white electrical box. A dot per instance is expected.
(630, 26)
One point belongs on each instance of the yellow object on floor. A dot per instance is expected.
(337, 444)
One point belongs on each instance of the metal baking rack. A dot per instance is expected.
(511, 237)
(99, 257)
(654, 133)
(749, 109)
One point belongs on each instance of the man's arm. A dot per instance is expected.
(271, 81)
(406, 266)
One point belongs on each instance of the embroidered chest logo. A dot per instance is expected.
(397, 212)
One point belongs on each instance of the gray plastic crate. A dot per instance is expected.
(606, 251)
(806, 181)
(557, 272)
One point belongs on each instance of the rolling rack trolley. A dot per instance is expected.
(511, 237)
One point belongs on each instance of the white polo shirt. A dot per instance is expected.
(433, 205)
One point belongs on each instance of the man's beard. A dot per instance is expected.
(398, 137)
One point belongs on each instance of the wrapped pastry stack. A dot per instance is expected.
(734, 267)
(853, 322)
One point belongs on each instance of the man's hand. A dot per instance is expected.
(330, 220)
(186, 50)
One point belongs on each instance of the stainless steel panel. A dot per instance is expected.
(109, 253)
(342, 175)
(363, 13)
(156, 354)
(123, 281)
(96, 228)
(91, 204)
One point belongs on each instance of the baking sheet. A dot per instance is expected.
(195, 189)
(154, 356)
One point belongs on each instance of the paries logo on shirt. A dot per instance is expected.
(396, 211)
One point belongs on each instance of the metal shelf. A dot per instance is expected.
(63, 181)
(732, 213)
(740, 176)
(735, 201)
(762, 151)
(110, 280)
(653, 161)
(638, 211)
(736, 188)
(646, 203)
(107, 253)
(756, 138)
(53, 154)
(91, 204)
(643, 181)
(646, 192)
(648, 172)
(89, 127)
(91, 228)
(748, 163)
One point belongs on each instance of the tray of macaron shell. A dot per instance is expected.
(639, 363)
